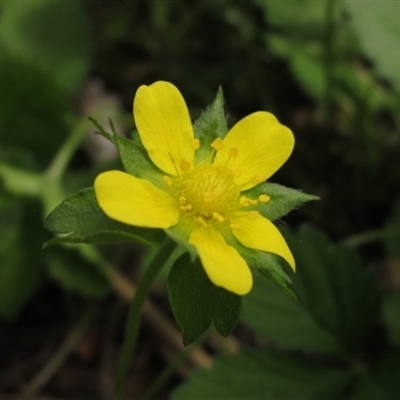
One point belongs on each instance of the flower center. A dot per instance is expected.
(208, 193)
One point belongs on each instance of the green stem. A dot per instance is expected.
(132, 325)
(371, 236)
(60, 161)
(52, 192)
(170, 369)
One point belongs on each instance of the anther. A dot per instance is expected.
(208, 196)
(259, 178)
(217, 144)
(233, 152)
(218, 217)
(167, 180)
(253, 214)
(236, 171)
(173, 163)
(182, 200)
(264, 198)
(195, 144)
(245, 201)
(201, 221)
(185, 165)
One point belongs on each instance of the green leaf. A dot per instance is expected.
(305, 63)
(76, 274)
(333, 285)
(21, 261)
(283, 199)
(196, 302)
(37, 123)
(263, 374)
(366, 388)
(80, 217)
(381, 48)
(21, 182)
(338, 299)
(392, 243)
(303, 18)
(391, 316)
(210, 126)
(52, 36)
(386, 371)
(273, 315)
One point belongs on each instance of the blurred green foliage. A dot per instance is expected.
(329, 69)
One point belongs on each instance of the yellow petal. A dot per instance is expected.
(164, 126)
(222, 263)
(260, 144)
(135, 201)
(257, 232)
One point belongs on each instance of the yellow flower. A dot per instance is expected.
(204, 200)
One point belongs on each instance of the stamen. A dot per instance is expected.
(264, 198)
(201, 221)
(236, 171)
(167, 180)
(174, 163)
(253, 214)
(217, 144)
(233, 152)
(185, 165)
(245, 201)
(208, 196)
(195, 144)
(259, 178)
(234, 226)
(218, 217)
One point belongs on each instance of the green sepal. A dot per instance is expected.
(210, 126)
(269, 265)
(180, 234)
(196, 302)
(133, 155)
(282, 199)
(80, 217)
(101, 131)
(136, 161)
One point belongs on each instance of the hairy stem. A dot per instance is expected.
(132, 325)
